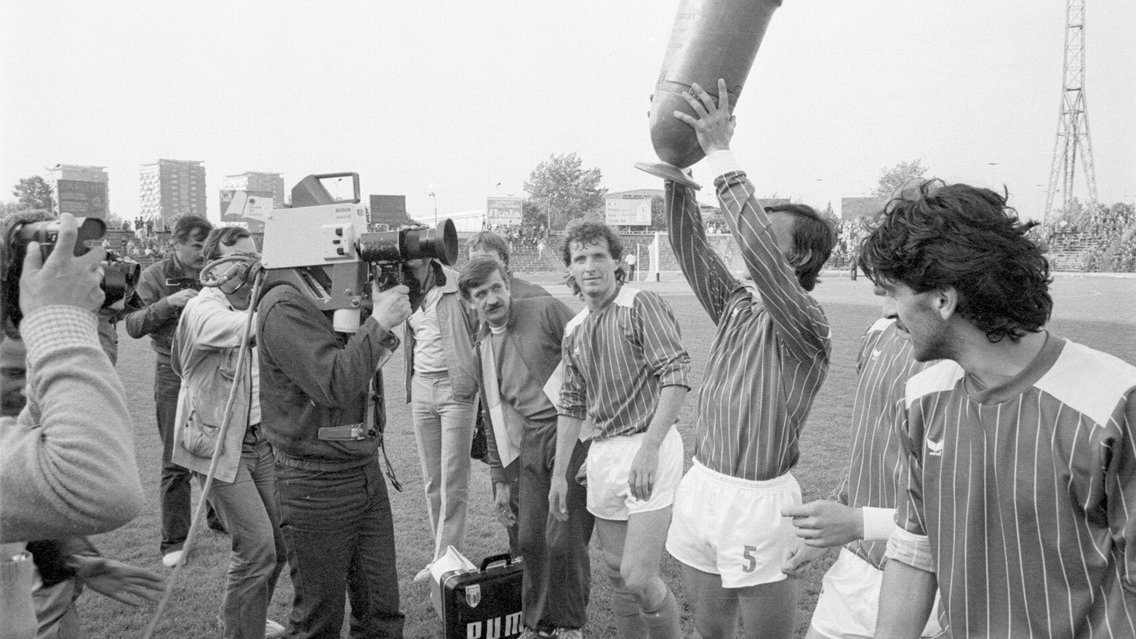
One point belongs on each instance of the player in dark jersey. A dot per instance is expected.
(1021, 467)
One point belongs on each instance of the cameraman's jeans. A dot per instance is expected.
(247, 507)
(557, 575)
(174, 495)
(443, 429)
(339, 537)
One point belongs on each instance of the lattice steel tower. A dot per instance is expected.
(1072, 120)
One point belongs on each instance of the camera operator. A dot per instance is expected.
(333, 506)
(67, 461)
(164, 288)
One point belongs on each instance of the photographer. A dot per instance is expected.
(333, 506)
(164, 288)
(67, 461)
(65, 566)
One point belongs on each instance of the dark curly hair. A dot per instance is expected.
(587, 233)
(966, 238)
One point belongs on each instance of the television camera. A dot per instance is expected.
(323, 247)
(120, 276)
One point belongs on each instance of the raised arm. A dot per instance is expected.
(796, 316)
(707, 274)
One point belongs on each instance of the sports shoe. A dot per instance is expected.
(569, 633)
(423, 574)
(171, 559)
(529, 633)
(272, 630)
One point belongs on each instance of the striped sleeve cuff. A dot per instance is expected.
(676, 377)
(911, 549)
(879, 523)
(58, 328)
(572, 411)
(722, 162)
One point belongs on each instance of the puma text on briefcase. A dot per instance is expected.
(486, 603)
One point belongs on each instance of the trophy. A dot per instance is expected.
(711, 39)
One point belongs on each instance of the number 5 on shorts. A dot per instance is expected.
(750, 554)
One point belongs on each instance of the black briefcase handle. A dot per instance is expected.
(506, 557)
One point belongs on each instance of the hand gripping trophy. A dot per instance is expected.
(711, 39)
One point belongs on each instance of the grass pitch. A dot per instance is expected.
(1097, 311)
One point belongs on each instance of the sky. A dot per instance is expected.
(463, 99)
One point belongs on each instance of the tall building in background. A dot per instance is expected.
(79, 190)
(257, 182)
(169, 188)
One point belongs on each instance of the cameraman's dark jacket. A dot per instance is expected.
(158, 318)
(310, 378)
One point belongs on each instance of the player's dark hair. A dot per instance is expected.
(813, 240)
(478, 271)
(965, 238)
(187, 226)
(222, 235)
(489, 241)
(588, 233)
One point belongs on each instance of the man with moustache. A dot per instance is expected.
(518, 348)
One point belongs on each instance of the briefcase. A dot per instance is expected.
(484, 603)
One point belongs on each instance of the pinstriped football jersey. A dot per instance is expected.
(876, 475)
(1024, 493)
(770, 353)
(617, 358)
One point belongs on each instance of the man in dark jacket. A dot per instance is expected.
(518, 352)
(164, 288)
(332, 498)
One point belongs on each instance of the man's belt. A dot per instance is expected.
(346, 433)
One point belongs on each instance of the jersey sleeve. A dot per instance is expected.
(573, 393)
(707, 274)
(662, 344)
(909, 543)
(1120, 489)
(797, 317)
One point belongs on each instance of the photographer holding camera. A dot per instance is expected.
(164, 288)
(67, 461)
(325, 427)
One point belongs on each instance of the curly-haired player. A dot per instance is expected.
(1021, 470)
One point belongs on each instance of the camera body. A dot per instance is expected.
(119, 276)
(322, 246)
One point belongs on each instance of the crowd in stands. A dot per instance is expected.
(526, 233)
(849, 235)
(1099, 239)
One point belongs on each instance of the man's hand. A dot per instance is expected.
(558, 497)
(63, 278)
(122, 582)
(645, 466)
(179, 299)
(504, 510)
(799, 558)
(824, 523)
(714, 125)
(392, 306)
